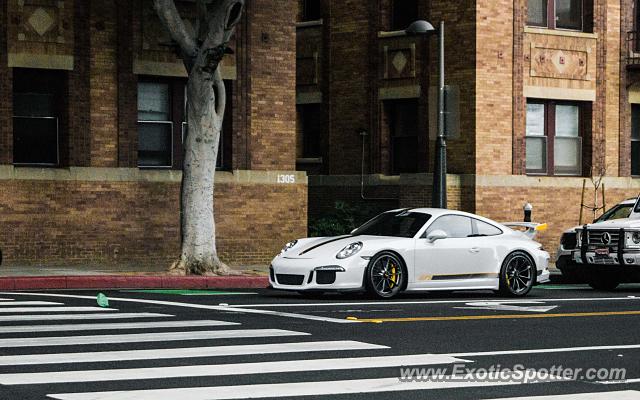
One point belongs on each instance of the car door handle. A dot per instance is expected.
(474, 250)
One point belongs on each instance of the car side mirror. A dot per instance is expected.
(436, 235)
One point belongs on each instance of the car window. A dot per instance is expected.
(617, 212)
(399, 224)
(484, 229)
(455, 226)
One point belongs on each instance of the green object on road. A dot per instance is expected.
(187, 292)
(103, 301)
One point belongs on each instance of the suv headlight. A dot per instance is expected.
(289, 246)
(349, 250)
(578, 239)
(632, 239)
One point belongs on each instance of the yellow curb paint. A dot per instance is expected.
(506, 316)
(352, 318)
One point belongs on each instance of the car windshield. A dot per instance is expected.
(617, 212)
(399, 224)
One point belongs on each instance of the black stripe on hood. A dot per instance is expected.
(323, 243)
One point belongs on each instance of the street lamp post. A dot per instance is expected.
(439, 195)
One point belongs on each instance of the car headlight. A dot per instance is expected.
(289, 246)
(632, 239)
(349, 250)
(578, 238)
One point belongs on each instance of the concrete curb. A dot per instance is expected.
(132, 282)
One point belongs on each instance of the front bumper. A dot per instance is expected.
(300, 274)
(623, 258)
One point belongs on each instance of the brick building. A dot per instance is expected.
(91, 122)
(549, 96)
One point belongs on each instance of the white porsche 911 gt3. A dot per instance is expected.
(416, 249)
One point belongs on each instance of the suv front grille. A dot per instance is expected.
(595, 239)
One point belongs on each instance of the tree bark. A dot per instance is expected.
(206, 99)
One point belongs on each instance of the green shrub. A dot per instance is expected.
(341, 220)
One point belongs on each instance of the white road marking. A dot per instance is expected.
(623, 381)
(51, 309)
(622, 395)
(542, 351)
(188, 352)
(122, 325)
(146, 337)
(419, 302)
(317, 388)
(203, 307)
(6, 299)
(327, 364)
(28, 303)
(507, 306)
(55, 317)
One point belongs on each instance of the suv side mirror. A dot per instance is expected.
(436, 235)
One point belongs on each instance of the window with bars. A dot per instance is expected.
(554, 138)
(37, 102)
(402, 116)
(635, 139)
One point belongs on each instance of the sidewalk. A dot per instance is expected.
(42, 278)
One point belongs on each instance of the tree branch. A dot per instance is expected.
(203, 16)
(221, 93)
(172, 21)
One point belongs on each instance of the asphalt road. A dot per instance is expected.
(221, 345)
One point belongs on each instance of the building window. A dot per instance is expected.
(403, 13)
(311, 10)
(155, 125)
(635, 139)
(37, 99)
(403, 130)
(561, 14)
(309, 130)
(554, 138)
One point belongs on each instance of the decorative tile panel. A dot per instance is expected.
(559, 63)
(40, 33)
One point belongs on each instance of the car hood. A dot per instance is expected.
(330, 246)
(616, 224)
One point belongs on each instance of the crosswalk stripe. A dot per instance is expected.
(621, 395)
(28, 303)
(188, 352)
(276, 390)
(52, 309)
(122, 325)
(327, 364)
(55, 317)
(145, 337)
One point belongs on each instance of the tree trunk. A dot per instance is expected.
(202, 52)
(198, 253)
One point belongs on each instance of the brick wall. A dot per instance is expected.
(271, 92)
(555, 203)
(494, 80)
(127, 88)
(102, 222)
(104, 84)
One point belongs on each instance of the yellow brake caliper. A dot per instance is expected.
(393, 276)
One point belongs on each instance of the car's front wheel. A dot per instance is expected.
(517, 275)
(386, 275)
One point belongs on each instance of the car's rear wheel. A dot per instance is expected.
(386, 275)
(517, 275)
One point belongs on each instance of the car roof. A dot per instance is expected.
(436, 212)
